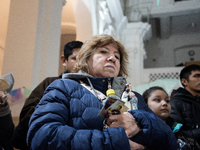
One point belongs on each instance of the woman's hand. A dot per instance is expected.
(127, 121)
(136, 146)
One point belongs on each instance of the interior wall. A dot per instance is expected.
(68, 29)
(83, 19)
(4, 14)
(160, 52)
(20, 41)
(68, 24)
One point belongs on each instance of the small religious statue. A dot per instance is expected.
(129, 98)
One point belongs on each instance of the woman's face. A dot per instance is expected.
(104, 62)
(158, 102)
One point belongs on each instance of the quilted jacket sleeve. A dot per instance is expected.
(50, 126)
(154, 133)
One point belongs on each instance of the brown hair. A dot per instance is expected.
(99, 41)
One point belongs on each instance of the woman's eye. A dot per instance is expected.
(167, 101)
(117, 57)
(103, 52)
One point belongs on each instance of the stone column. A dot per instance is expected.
(47, 46)
(133, 37)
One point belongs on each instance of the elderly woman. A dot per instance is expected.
(67, 115)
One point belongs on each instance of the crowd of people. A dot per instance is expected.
(62, 112)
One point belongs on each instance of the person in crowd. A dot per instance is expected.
(67, 115)
(185, 102)
(158, 101)
(6, 123)
(71, 50)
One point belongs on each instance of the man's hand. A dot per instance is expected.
(127, 121)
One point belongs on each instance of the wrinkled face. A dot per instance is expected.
(158, 102)
(69, 64)
(193, 85)
(104, 62)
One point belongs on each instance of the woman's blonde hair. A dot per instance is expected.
(99, 41)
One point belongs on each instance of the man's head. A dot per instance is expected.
(190, 79)
(71, 50)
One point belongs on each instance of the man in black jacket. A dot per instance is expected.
(185, 102)
(71, 50)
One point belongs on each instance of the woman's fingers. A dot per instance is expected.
(127, 121)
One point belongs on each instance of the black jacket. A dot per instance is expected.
(186, 110)
(6, 128)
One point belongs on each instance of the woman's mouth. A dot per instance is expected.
(110, 66)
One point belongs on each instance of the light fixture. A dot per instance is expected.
(191, 52)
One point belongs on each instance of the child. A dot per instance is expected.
(158, 101)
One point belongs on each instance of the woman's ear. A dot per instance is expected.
(63, 61)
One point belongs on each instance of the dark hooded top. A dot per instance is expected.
(186, 110)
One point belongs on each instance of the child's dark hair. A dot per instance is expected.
(148, 92)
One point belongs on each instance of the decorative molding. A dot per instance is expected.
(187, 46)
(105, 18)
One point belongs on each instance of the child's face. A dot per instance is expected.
(158, 102)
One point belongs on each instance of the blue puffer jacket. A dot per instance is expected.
(67, 118)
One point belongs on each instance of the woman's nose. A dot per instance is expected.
(111, 57)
